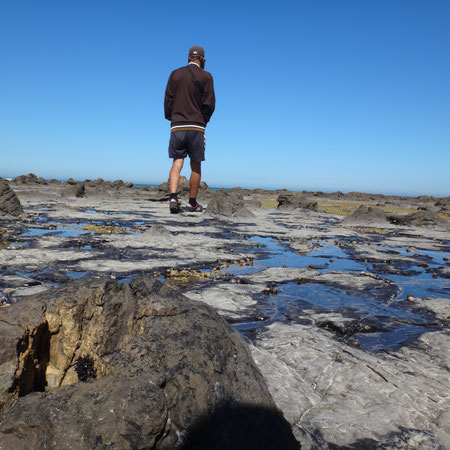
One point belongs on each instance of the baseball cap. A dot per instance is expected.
(196, 50)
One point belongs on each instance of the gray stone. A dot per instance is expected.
(368, 216)
(228, 204)
(420, 219)
(293, 200)
(348, 398)
(74, 190)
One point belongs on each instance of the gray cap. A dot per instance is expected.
(196, 50)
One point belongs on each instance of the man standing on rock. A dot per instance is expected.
(189, 103)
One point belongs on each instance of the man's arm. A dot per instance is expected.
(209, 99)
(168, 98)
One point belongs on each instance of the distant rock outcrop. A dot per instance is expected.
(293, 200)
(420, 219)
(30, 178)
(228, 204)
(444, 204)
(367, 216)
(74, 190)
(99, 364)
(9, 202)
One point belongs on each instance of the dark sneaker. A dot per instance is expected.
(196, 208)
(175, 207)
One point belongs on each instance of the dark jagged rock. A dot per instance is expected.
(292, 200)
(9, 202)
(74, 190)
(118, 183)
(228, 203)
(29, 179)
(157, 371)
(367, 216)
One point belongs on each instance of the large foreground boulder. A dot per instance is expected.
(228, 204)
(99, 364)
(9, 202)
(293, 200)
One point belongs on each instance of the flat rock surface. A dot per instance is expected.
(347, 320)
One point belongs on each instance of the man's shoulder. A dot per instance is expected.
(178, 71)
(208, 74)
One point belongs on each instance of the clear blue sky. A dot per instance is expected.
(317, 95)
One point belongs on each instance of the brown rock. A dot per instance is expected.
(99, 364)
(28, 179)
(9, 202)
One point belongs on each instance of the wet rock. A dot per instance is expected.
(367, 216)
(97, 364)
(229, 204)
(71, 181)
(9, 202)
(74, 190)
(292, 200)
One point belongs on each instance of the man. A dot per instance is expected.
(189, 103)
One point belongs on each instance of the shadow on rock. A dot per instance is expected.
(239, 427)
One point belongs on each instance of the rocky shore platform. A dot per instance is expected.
(343, 301)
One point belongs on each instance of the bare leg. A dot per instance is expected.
(174, 175)
(196, 175)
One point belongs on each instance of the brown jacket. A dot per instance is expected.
(183, 103)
